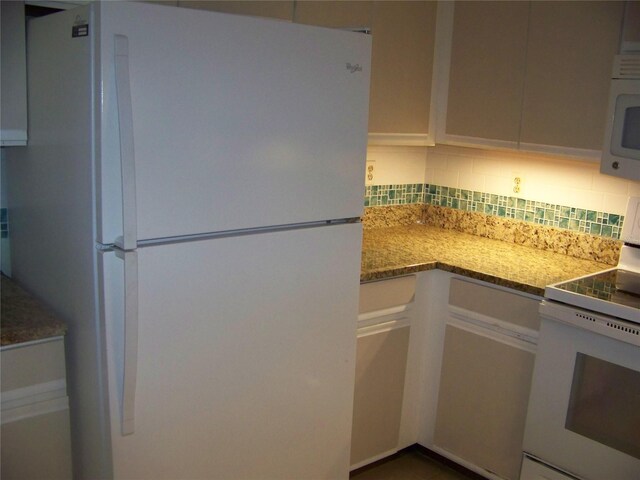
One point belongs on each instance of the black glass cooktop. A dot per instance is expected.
(615, 286)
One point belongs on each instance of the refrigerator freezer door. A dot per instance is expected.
(237, 122)
(245, 356)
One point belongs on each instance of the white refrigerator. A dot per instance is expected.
(188, 203)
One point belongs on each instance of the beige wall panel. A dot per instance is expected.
(401, 66)
(494, 303)
(482, 403)
(274, 9)
(569, 60)
(487, 69)
(338, 14)
(381, 363)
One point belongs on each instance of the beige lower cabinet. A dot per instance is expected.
(444, 361)
(380, 374)
(487, 363)
(381, 365)
(35, 412)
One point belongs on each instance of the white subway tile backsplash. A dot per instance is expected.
(615, 203)
(446, 177)
(499, 185)
(470, 181)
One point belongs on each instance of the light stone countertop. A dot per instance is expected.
(394, 251)
(23, 318)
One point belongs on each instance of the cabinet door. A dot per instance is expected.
(483, 397)
(569, 58)
(35, 412)
(401, 69)
(282, 9)
(381, 362)
(486, 73)
(381, 365)
(348, 14)
(13, 114)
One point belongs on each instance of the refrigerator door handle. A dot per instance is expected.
(130, 363)
(127, 150)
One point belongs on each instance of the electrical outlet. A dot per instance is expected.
(368, 180)
(517, 183)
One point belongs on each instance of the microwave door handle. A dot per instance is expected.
(127, 150)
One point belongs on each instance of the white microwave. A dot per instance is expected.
(621, 148)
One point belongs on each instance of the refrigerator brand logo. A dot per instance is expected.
(354, 68)
(80, 27)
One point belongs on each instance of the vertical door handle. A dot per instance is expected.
(127, 151)
(130, 363)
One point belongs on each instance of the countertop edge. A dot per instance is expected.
(387, 273)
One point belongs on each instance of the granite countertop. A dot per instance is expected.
(386, 252)
(24, 319)
(394, 251)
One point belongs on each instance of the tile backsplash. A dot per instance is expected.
(398, 194)
(552, 215)
(565, 193)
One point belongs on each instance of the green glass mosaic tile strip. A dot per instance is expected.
(551, 215)
(559, 216)
(404, 194)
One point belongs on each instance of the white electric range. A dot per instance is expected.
(583, 418)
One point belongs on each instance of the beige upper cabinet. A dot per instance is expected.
(355, 15)
(403, 33)
(487, 71)
(401, 62)
(401, 73)
(569, 58)
(13, 73)
(527, 75)
(273, 9)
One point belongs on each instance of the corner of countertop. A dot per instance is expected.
(24, 318)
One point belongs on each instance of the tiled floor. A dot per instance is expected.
(410, 465)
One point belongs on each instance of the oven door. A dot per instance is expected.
(584, 408)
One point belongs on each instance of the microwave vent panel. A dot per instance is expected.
(626, 67)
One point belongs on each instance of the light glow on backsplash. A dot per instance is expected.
(553, 180)
(546, 179)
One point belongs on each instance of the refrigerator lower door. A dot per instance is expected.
(244, 362)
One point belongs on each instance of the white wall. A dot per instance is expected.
(544, 178)
(397, 165)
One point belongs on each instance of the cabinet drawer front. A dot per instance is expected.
(33, 364)
(495, 303)
(387, 293)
